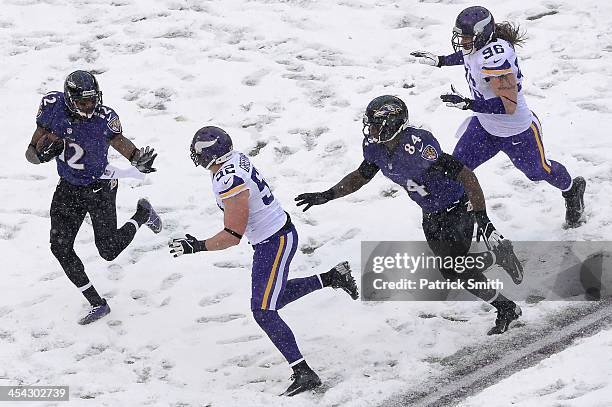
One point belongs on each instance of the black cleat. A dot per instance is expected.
(304, 378)
(95, 313)
(574, 203)
(505, 316)
(341, 277)
(506, 259)
(153, 221)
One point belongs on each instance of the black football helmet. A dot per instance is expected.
(385, 117)
(82, 94)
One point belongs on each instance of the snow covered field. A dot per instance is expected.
(289, 80)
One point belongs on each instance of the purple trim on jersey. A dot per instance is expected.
(503, 67)
(236, 181)
(452, 59)
(491, 106)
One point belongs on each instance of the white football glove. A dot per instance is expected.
(426, 58)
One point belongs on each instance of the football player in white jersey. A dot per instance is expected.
(251, 209)
(502, 121)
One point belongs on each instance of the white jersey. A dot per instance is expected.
(496, 59)
(236, 175)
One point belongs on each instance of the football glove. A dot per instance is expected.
(143, 160)
(487, 231)
(50, 151)
(427, 58)
(456, 99)
(314, 198)
(186, 245)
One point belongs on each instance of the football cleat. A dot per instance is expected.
(153, 222)
(304, 378)
(341, 277)
(574, 203)
(505, 316)
(506, 259)
(95, 313)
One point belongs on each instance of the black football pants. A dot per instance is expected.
(69, 206)
(449, 233)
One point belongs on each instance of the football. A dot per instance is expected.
(46, 140)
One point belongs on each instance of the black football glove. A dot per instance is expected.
(456, 99)
(314, 198)
(50, 151)
(143, 160)
(186, 245)
(487, 231)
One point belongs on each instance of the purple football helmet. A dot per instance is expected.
(211, 145)
(476, 25)
(82, 93)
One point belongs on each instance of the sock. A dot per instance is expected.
(141, 215)
(501, 302)
(93, 297)
(300, 367)
(326, 278)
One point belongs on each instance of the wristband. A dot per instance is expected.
(201, 246)
(329, 194)
(491, 106)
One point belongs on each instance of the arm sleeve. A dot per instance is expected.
(447, 165)
(368, 170)
(452, 59)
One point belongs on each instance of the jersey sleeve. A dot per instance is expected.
(229, 185)
(47, 109)
(368, 170)
(113, 125)
(424, 148)
(448, 166)
(497, 60)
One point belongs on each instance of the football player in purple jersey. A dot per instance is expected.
(75, 128)
(446, 190)
(502, 121)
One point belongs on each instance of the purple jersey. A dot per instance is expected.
(408, 167)
(85, 155)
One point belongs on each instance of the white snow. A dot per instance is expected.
(293, 78)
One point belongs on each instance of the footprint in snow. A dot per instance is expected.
(215, 299)
(240, 339)
(171, 280)
(220, 318)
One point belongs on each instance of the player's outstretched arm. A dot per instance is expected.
(349, 184)
(428, 58)
(235, 219)
(142, 158)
